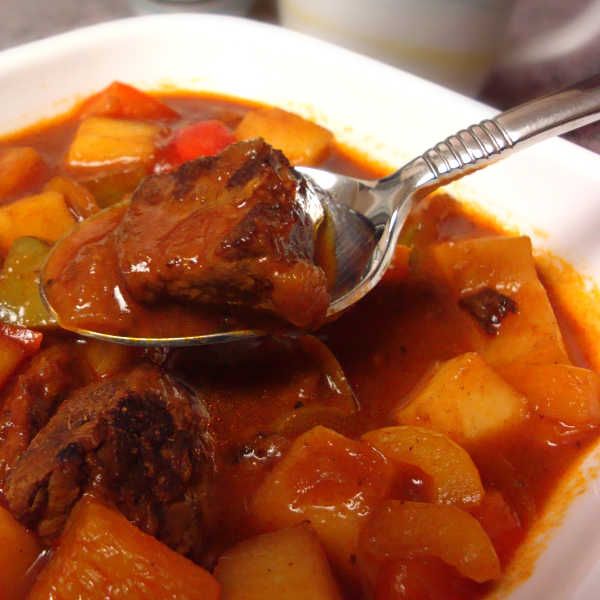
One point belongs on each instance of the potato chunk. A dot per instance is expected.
(45, 216)
(303, 142)
(515, 322)
(408, 529)
(454, 476)
(102, 555)
(560, 392)
(101, 142)
(18, 551)
(465, 399)
(18, 168)
(330, 480)
(288, 563)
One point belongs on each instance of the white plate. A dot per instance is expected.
(551, 192)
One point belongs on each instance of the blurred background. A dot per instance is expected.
(500, 51)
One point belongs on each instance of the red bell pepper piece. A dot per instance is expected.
(205, 138)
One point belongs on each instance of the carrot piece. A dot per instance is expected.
(330, 480)
(453, 473)
(123, 101)
(409, 529)
(19, 167)
(102, 555)
(80, 200)
(500, 522)
(558, 392)
(12, 353)
(18, 551)
(420, 579)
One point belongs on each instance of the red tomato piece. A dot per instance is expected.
(205, 138)
(123, 101)
(28, 339)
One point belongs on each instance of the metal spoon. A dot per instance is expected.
(364, 218)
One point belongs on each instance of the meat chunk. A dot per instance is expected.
(139, 441)
(225, 230)
(32, 399)
(489, 308)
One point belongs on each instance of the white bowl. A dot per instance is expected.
(551, 192)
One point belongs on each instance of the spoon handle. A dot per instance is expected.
(481, 144)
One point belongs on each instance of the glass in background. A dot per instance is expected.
(231, 7)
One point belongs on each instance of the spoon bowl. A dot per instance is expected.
(360, 220)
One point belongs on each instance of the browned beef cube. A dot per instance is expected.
(225, 230)
(31, 399)
(139, 441)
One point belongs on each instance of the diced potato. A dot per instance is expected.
(18, 167)
(408, 529)
(101, 141)
(465, 399)
(505, 265)
(45, 216)
(20, 299)
(560, 392)
(327, 479)
(80, 199)
(454, 476)
(288, 563)
(102, 555)
(303, 142)
(18, 551)
(106, 359)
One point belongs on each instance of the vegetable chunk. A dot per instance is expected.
(18, 167)
(496, 296)
(101, 142)
(454, 476)
(288, 563)
(465, 399)
(102, 555)
(330, 480)
(560, 392)
(20, 299)
(44, 215)
(80, 200)
(18, 551)
(123, 101)
(407, 529)
(303, 142)
(204, 138)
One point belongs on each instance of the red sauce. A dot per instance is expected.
(258, 394)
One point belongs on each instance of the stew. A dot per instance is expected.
(400, 452)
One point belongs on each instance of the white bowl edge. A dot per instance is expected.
(551, 192)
